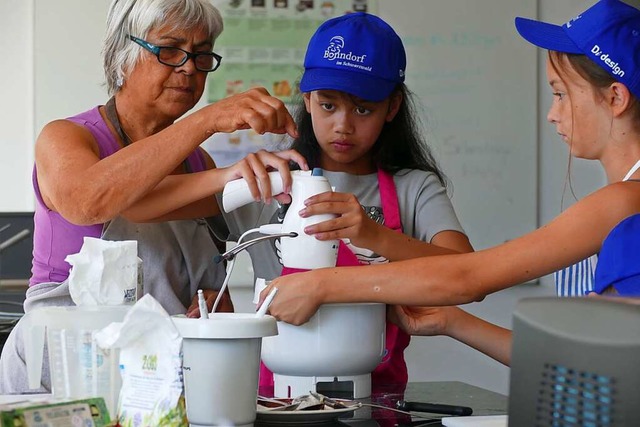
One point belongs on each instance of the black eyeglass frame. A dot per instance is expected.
(189, 55)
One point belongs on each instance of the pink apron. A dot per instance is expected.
(392, 369)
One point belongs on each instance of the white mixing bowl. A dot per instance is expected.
(339, 340)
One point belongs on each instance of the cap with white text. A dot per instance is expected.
(357, 53)
(608, 33)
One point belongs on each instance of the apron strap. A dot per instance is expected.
(389, 200)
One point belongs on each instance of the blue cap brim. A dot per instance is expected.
(364, 86)
(546, 36)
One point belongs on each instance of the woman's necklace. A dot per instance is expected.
(112, 115)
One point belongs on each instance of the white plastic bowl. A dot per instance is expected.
(339, 340)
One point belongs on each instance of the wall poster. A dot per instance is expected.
(263, 44)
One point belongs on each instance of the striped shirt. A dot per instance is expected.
(576, 280)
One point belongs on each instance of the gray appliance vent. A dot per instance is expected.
(575, 362)
(574, 398)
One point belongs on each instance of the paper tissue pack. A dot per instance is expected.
(150, 365)
(105, 273)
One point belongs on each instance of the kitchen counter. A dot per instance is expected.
(482, 401)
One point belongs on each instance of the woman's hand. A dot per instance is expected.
(225, 305)
(351, 222)
(255, 167)
(295, 301)
(254, 109)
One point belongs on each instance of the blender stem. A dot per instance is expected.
(231, 253)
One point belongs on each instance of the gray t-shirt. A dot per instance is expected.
(425, 210)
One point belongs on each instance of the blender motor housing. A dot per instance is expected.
(336, 351)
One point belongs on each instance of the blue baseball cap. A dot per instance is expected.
(608, 33)
(357, 53)
(619, 259)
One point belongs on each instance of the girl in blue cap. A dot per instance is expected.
(593, 69)
(358, 124)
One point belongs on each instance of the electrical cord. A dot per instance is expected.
(272, 231)
(225, 283)
(229, 269)
(332, 401)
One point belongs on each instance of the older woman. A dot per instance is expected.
(129, 170)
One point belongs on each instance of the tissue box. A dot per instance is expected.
(86, 412)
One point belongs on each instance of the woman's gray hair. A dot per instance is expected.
(138, 17)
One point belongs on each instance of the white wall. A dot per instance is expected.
(432, 358)
(82, 59)
(16, 105)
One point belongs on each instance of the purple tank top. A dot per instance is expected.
(55, 237)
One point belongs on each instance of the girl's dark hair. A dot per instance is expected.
(399, 145)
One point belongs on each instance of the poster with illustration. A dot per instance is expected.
(263, 44)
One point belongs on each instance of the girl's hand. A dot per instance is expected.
(254, 170)
(225, 305)
(295, 302)
(351, 223)
(425, 321)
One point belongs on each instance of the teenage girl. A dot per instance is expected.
(593, 69)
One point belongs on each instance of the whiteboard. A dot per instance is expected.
(472, 73)
(476, 80)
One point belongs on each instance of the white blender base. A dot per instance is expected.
(292, 386)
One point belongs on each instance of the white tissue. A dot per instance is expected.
(105, 273)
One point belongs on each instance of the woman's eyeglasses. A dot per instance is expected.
(176, 57)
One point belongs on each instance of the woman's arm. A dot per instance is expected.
(174, 197)
(85, 189)
(458, 279)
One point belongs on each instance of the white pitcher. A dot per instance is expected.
(79, 368)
